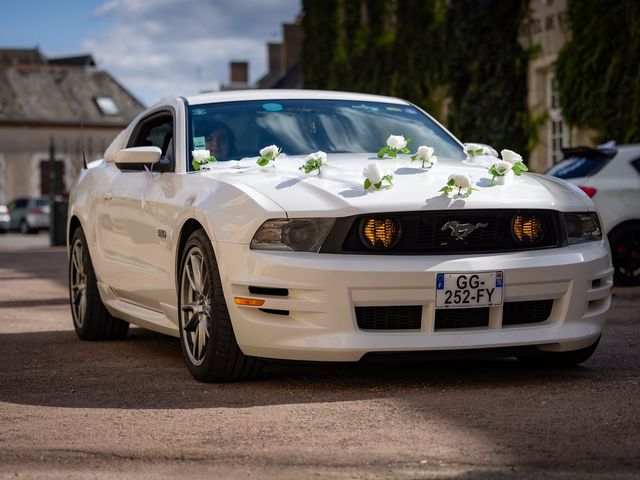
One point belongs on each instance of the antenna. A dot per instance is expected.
(84, 157)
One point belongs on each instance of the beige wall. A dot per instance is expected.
(547, 30)
(22, 149)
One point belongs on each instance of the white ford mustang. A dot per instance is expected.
(332, 226)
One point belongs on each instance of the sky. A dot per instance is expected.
(155, 48)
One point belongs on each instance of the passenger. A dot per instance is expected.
(221, 142)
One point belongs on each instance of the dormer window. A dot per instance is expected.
(106, 105)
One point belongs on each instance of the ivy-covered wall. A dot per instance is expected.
(598, 70)
(412, 48)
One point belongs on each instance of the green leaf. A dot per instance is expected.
(451, 182)
(378, 185)
(382, 151)
(392, 153)
(367, 183)
(262, 161)
(405, 150)
(195, 165)
(415, 157)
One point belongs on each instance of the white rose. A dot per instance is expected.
(502, 167)
(271, 150)
(510, 156)
(462, 180)
(320, 155)
(396, 141)
(373, 172)
(201, 156)
(470, 149)
(425, 152)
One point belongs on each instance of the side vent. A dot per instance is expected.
(276, 292)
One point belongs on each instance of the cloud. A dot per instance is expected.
(164, 48)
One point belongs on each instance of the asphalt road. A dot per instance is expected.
(130, 409)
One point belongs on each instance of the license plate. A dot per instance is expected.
(464, 290)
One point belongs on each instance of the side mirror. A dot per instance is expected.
(130, 157)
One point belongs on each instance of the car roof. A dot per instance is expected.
(241, 95)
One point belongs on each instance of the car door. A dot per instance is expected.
(127, 226)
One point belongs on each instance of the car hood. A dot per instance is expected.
(339, 191)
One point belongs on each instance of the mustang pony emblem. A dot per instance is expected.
(461, 230)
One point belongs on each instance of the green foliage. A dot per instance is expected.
(487, 72)
(598, 70)
(408, 48)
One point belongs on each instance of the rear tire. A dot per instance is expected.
(625, 254)
(560, 359)
(91, 319)
(207, 340)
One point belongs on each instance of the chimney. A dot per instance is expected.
(292, 44)
(275, 58)
(239, 73)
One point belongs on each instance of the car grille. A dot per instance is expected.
(389, 318)
(518, 313)
(425, 232)
(409, 317)
(462, 318)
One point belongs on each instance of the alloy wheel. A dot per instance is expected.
(78, 283)
(196, 305)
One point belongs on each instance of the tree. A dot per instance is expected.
(598, 70)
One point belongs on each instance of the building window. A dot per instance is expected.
(558, 135)
(107, 105)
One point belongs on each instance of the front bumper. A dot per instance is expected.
(325, 289)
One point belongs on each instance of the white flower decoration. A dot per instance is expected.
(510, 156)
(461, 181)
(374, 176)
(425, 156)
(268, 154)
(475, 150)
(395, 144)
(314, 161)
(200, 158)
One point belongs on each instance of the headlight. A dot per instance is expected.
(582, 227)
(299, 234)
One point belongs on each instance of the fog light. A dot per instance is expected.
(527, 230)
(380, 233)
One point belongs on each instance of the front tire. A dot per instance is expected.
(207, 340)
(560, 359)
(91, 320)
(625, 254)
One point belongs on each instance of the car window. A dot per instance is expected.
(579, 166)
(300, 127)
(42, 203)
(22, 203)
(156, 131)
(636, 164)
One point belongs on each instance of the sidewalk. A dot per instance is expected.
(19, 241)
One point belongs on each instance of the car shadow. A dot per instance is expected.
(146, 371)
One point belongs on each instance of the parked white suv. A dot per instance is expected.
(611, 177)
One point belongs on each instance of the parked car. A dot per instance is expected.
(253, 258)
(4, 218)
(29, 215)
(611, 178)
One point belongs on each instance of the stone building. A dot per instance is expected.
(546, 30)
(46, 100)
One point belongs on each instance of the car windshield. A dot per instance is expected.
(300, 127)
